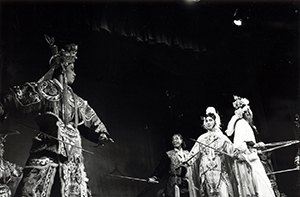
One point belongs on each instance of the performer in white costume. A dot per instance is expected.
(241, 125)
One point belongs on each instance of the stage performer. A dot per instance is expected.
(179, 182)
(55, 166)
(241, 125)
(212, 160)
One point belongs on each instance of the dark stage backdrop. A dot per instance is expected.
(151, 69)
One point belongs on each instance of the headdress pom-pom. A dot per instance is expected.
(211, 110)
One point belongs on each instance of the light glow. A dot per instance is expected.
(238, 22)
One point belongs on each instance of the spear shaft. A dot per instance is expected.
(212, 147)
(282, 171)
(55, 138)
(280, 145)
(130, 178)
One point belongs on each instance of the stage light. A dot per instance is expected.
(238, 22)
(240, 16)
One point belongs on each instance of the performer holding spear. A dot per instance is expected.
(241, 125)
(179, 182)
(55, 166)
(212, 160)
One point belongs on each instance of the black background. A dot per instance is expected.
(146, 90)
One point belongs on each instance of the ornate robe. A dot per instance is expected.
(213, 172)
(9, 175)
(56, 151)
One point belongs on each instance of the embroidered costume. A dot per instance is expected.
(10, 173)
(55, 165)
(7, 171)
(212, 164)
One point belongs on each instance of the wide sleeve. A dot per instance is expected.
(93, 126)
(29, 97)
(228, 148)
(242, 135)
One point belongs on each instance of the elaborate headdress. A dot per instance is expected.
(238, 104)
(59, 59)
(211, 111)
(65, 56)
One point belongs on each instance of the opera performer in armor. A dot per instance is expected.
(241, 125)
(55, 166)
(212, 160)
(179, 183)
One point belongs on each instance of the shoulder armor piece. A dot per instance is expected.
(50, 90)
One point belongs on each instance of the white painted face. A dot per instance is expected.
(70, 74)
(209, 123)
(176, 141)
